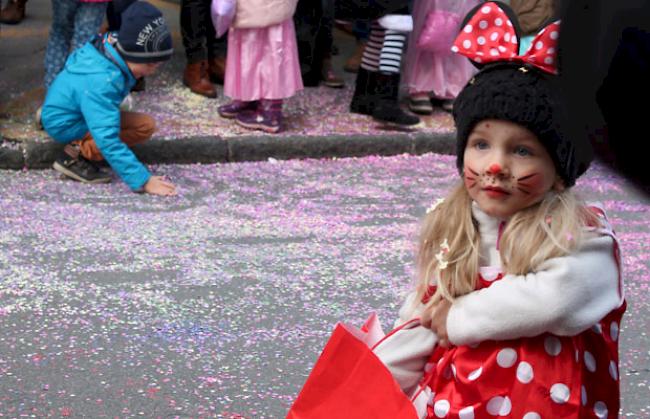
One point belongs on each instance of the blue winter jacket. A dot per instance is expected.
(86, 96)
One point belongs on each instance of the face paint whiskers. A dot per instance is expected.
(525, 186)
(470, 180)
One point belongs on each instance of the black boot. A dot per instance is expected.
(387, 108)
(363, 100)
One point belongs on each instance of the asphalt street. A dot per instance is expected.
(216, 303)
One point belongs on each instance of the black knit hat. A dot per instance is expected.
(524, 96)
(144, 36)
(520, 93)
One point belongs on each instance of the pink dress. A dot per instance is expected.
(444, 75)
(546, 376)
(263, 63)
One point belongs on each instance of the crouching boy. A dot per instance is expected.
(82, 106)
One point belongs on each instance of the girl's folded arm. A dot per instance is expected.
(566, 296)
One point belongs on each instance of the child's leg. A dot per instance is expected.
(361, 31)
(363, 100)
(87, 21)
(193, 31)
(325, 44)
(135, 128)
(372, 51)
(88, 148)
(58, 44)
(390, 59)
(388, 78)
(193, 16)
(216, 48)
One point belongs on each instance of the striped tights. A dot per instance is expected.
(383, 52)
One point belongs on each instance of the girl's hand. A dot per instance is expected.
(435, 318)
(157, 185)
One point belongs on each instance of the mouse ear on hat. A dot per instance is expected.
(492, 21)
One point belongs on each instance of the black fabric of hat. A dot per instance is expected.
(144, 36)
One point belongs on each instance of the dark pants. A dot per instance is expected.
(199, 38)
(114, 11)
(313, 21)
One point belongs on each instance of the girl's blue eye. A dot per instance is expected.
(481, 145)
(522, 151)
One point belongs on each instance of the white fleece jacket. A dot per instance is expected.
(566, 296)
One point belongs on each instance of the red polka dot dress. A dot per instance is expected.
(546, 376)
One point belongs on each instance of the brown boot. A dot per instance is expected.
(13, 12)
(217, 69)
(196, 78)
(353, 63)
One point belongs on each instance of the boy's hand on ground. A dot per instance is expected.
(435, 318)
(157, 185)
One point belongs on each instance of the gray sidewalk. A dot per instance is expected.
(189, 128)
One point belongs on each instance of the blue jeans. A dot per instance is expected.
(73, 24)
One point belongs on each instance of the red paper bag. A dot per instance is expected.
(370, 333)
(349, 381)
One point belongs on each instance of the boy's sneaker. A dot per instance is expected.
(81, 169)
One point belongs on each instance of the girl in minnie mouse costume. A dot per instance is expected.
(518, 279)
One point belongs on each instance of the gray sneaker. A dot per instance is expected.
(81, 169)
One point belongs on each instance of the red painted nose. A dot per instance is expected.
(494, 169)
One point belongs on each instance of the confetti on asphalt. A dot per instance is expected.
(216, 303)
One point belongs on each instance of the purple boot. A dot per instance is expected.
(267, 117)
(232, 109)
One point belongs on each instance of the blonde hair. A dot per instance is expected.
(448, 251)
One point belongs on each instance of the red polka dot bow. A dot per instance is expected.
(489, 36)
